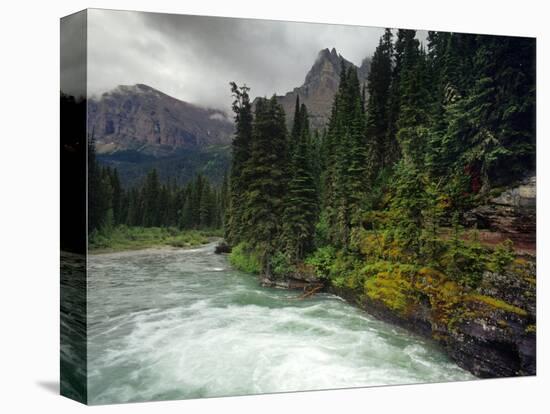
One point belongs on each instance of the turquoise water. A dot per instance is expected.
(172, 324)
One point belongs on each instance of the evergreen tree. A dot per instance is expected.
(345, 178)
(117, 196)
(187, 220)
(135, 213)
(151, 193)
(381, 152)
(224, 203)
(267, 169)
(241, 149)
(301, 201)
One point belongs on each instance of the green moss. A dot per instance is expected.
(523, 269)
(392, 289)
(531, 329)
(502, 323)
(497, 304)
(445, 296)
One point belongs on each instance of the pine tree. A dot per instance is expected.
(206, 205)
(187, 219)
(413, 122)
(267, 168)
(241, 149)
(117, 196)
(134, 212)
(345, 178)
(98, 199)
(497, 117)
(296, 132)
(301, 200)
(151, 192)
(404, 50)
(224, 203)
(381, 152)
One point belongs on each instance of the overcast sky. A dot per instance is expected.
(193, 58)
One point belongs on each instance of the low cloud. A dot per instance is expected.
(193, 58)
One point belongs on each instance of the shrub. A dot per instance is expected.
(464, 262)
(502, 256)
(244, 258)
(322, 260)
(281, 266)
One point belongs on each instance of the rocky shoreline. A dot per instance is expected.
(490, 338)
(491, 331)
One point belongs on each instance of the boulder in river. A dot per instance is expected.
(222, 247)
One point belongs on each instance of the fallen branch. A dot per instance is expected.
(311, 292)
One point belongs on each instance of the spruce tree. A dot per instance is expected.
(224, 203)
(151, 193)
(381, 152)
(301, 201)
(345, 178)
(241, 151)
(266, 190)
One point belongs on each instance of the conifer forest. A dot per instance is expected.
(410, 194)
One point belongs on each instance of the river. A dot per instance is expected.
(172, 324)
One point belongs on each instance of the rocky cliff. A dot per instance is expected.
(142, 118)
(511, 214)
(320, 86)
(490, 331)
(487, 326)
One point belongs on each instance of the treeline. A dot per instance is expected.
(196, 205)
(274, 186)
(439, 129)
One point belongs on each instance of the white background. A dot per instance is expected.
(29, 206)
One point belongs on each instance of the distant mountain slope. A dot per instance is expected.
(181, 166)
(144, 119)
(320, 86)
(137, 127)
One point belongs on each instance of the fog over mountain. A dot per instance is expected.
(192, 58)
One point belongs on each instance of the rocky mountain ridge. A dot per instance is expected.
(141, 118)
(320, 85)
(145, 120)
(137, 127)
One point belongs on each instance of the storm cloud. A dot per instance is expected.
(193, 58)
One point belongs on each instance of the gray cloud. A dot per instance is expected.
(193, 58)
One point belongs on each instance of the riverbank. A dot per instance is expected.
(487, 328)
(123, 238)
(171, 324)
(489, 331)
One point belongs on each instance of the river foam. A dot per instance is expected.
(169, 324)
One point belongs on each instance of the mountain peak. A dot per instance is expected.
(140, 117)
(328, 54)
(320, 86)
(138, 88)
